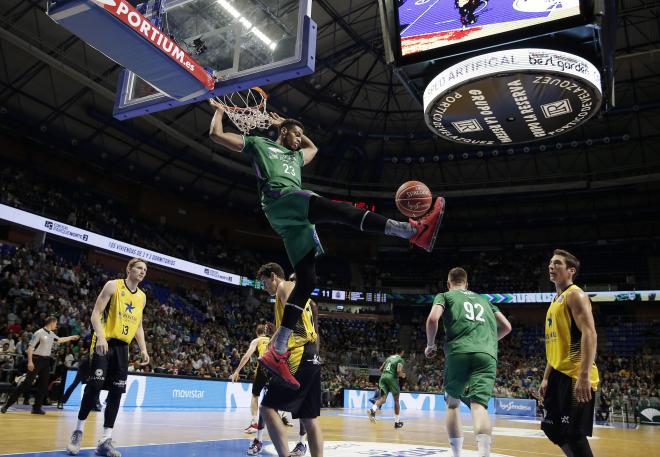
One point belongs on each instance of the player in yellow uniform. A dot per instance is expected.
(117, 319)
(303, 364)
(571, 377)
(258, 345)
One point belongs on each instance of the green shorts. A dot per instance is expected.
(388, 384)
(288, 215)
(470, 377)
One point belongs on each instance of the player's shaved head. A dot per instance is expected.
(457, 276)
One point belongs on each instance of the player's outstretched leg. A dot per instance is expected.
(421, 232)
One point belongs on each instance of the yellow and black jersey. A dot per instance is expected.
(563, 339)
(123, 315)
(262, 345)
(303, 334)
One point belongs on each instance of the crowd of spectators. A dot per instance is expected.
(502, 270)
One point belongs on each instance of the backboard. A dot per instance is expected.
(242, 44)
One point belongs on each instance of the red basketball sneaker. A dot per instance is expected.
(277, 366)
(427, 227)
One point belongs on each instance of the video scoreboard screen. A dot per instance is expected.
(341, 295)
(420, 30)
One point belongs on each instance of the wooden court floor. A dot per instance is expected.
(165, 433)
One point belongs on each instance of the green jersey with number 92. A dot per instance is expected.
(469, 321)
(277, 168)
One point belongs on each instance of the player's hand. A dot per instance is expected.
(275, 119)
(583, 389)
(217, 106)
(75, 337)
(101, 347)
(234, 376)
(145, 358)
(542, 389)
(430, 351)
(30, 366)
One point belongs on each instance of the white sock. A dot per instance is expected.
(107, 433)
(456, 445)
(81, 425)
(483, 445)
(254, 420)
(396, 418)
(301, 438)
(374, 408)
(260, 433)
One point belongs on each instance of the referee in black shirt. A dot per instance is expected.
(38, 354)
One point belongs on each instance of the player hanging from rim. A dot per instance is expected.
(292, 213)
(473, 327)
(391, 370)
(116, 319)
(304, 365)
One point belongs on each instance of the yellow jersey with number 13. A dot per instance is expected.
(123, 314)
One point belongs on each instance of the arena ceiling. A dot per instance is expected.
(364, 114)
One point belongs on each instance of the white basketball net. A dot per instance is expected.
(247, 109)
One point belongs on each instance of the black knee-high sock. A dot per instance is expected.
(306, 279)
(302, 430)
(88, 401)
(111, 408)
(323, 210)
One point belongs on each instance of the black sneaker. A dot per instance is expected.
(398, 424)
(60, 405)
(3, 410)
(372, 415)
(98, 407)
(38, 411)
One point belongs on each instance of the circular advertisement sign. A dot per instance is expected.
(513, 96)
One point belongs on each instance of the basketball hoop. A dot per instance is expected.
(246, 109)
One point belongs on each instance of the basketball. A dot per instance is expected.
(413, 199)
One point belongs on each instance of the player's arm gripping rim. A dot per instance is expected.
(99, 307)
(580, 306)
(232, 141)
(244, 360)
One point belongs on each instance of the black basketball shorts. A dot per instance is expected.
(304, 403)
(110, 370)
(563, 417)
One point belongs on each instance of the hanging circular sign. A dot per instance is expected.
(513, 96)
